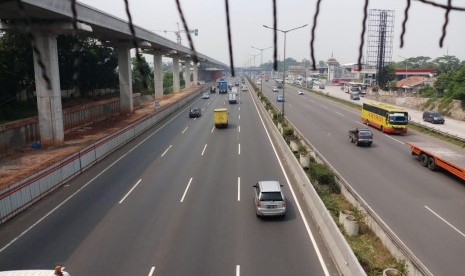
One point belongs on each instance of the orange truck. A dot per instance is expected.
(434, 157)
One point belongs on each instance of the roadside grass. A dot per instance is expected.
(438, 135)
(413, 126)
(373, 256)
(370, 251)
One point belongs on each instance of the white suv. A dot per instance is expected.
(269, 199)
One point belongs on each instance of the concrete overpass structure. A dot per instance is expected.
(46, 19)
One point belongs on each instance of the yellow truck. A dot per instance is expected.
(220, 117)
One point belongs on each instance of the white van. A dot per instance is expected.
(232, 98)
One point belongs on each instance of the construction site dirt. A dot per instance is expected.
(21, 163)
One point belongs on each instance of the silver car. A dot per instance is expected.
(269, 199)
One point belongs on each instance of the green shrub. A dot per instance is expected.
(303, 150)
(287, 130)
(324, 176)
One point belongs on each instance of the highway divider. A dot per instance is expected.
(342, 253)
(26, 192)
(325, 222)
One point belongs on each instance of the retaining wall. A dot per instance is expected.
(24, 193)
(23, 132)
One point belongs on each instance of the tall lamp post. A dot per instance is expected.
(284, 60)
(261, 53)
(261, 62)
(255, 67)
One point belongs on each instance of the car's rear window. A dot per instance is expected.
(271, 196)
(364, 134)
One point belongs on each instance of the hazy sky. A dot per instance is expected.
(338, 30)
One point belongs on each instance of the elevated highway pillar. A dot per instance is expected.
(158, 74)
(195, 73)
(125, 79)
(187, 73)
(48, 97)
(176, 82)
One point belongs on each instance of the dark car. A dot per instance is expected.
(433, 117)
(355, 96)
(194, 112)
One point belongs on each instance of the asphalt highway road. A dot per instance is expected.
(176, 201)
(423, 208)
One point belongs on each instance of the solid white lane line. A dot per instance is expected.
(395, 139)
(89, 182)
(238, 270)
(184, 130)
(324, 106)
(239, 149)
(133, 187)
(238, 189)
(203, 151)
(185, 191)
(163, 154)
(339, 113)
(239, 128)
(445, 221)
(213, 128)
(307, 227)
(152, 270)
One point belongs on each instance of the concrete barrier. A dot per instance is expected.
(26, 192)
(374, 222)
(343, 255)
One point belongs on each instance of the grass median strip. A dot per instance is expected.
(367, 247)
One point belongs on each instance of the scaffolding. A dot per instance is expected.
(380, 40)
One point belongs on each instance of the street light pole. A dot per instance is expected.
(261, 63)
(261, 53)
(284, 61)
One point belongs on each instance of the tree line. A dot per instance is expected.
(450, 74)
(98, 69)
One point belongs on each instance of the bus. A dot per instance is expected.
(386, 117)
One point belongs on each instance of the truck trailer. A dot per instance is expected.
(222, 86)
(433, 157)
(220, 117)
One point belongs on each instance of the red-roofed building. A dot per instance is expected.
(403, 73)
(414, 83)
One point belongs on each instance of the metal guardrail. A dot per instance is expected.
(26, 192)
(341, 252)
(376, 224)
(418, 124)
